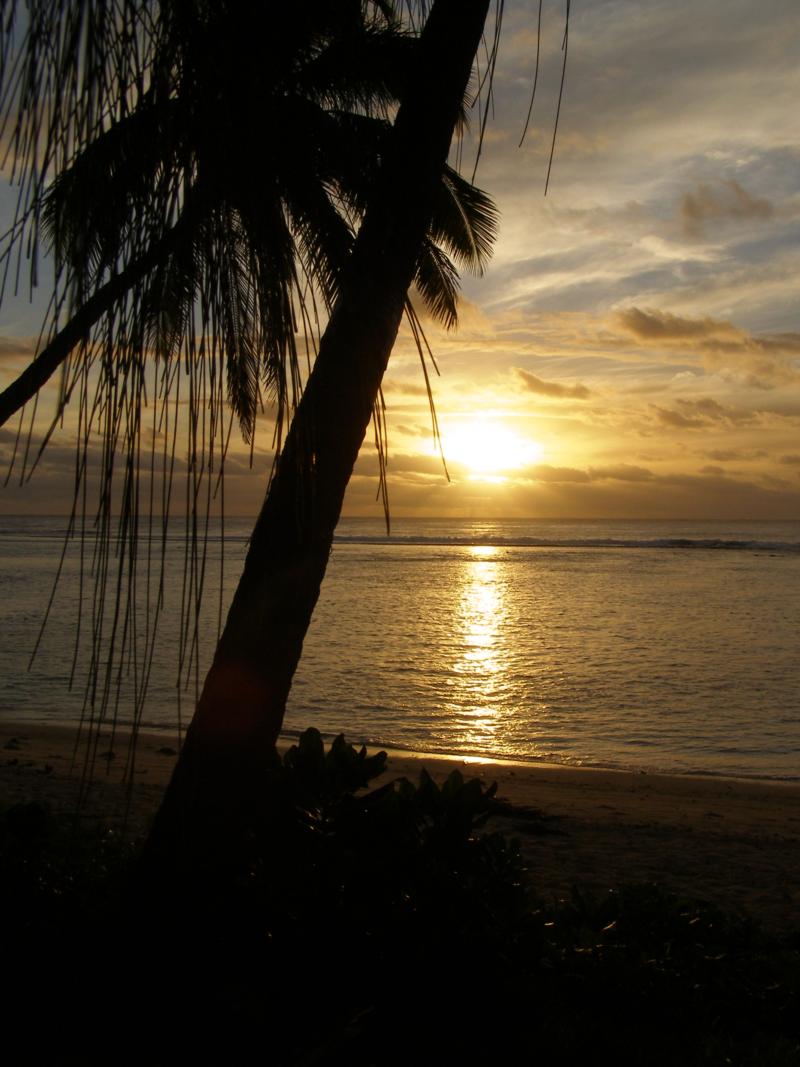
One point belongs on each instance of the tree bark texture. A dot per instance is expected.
(237, 721)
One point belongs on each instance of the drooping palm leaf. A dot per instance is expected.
(437, 282)
(465, 223)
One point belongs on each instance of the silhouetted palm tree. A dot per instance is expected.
(236, 178)
(240, 711)
(213, 164)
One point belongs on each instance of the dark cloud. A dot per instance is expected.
(724, 200)
(651, 325)
(698, 496)
(678, 420)
(726, 455)
(555, 389)
(700, 414)
(623, 472)
(401, 463)
(762, 362)
(790, 461)
(54, 474)
(545, 473)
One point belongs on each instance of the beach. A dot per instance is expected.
(732, 842)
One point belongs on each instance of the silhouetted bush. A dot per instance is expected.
(381, 925)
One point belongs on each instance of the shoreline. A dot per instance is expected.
(394, 752)
(732, 842)
(532, 762)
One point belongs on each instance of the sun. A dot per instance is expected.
(488, 448)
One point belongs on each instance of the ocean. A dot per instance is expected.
(657, 646)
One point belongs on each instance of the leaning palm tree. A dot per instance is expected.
(210, 179)
(214, 180)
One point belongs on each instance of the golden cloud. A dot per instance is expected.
(652, 325)
(700, 414)
(622, 472)
(555, 389)
(762, 362)
(393, 385)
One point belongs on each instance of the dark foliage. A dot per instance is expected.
(373, 926)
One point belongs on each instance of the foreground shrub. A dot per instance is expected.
(376, 925)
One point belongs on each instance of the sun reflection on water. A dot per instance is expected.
(479, 667)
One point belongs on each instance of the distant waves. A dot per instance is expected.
(707, 544)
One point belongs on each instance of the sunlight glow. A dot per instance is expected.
(489, 449)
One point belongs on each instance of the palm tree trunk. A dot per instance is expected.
(241, 708)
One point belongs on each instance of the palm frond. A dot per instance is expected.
(363, 72)
(465, 222)
(437, 282)
(77, 67)
(118, 193)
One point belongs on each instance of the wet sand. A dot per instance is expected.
(733, 842)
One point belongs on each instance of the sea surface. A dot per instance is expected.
(668, 646)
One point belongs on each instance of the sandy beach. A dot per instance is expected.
(732, 842)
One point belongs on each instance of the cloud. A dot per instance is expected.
(401, 463)
(17, 347)
(726, 455)
(623, 472)
(678, 420)
(700, 414)
(791, 460)
(556, 389)
(652, 325)
(546, 473)
(412, 430)
(762, 362)
(393, 385)
(724, 200)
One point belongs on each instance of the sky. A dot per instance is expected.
(633, 350)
